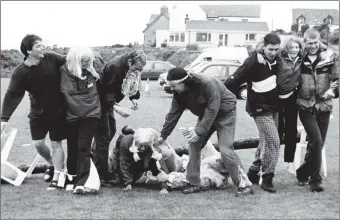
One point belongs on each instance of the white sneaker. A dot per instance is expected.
(291, 168)
(79, 190)
(69, 187)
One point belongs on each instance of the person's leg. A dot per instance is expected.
(290, 129)
(194, 164)
(170, 159)
(268, 126)
(225, 133)
(322, 119)
(86, 130)
(102, 143)
(282, 119)
(57, 127)
(39, 130)
(310, 124)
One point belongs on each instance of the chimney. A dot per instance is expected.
(186, 18)
(165, 10)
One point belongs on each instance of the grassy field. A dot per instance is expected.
(32, 201)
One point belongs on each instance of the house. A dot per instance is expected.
(244, 13)
(210, 33)
(216, 25)
(156, 22)
(316, 17)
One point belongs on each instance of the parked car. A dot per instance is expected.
(219, 69)
(153, 69)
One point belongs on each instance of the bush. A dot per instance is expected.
(192, 47)
(334, 38)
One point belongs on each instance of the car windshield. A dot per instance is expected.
(198, 67)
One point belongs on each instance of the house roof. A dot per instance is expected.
(315, 16)
(152, 17)
(252, 11)
(227, 25)
(154, 20)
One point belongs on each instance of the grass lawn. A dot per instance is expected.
(32, 200)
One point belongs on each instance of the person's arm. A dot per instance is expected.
(335, 76)
(14, 95)
(212, 94)
(171, 118)
(60, 59)
(241, 75)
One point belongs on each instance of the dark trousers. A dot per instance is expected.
(103, 136)
(316, 126)
(288, 126)
(79, 138)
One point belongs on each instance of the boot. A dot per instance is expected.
(253, 176)
(267, 183)
(244, 191)
(316, 187)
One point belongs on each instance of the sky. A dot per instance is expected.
(104, 23)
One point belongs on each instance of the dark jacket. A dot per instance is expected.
(316, 78)
(110, 87)
(289, 74)
(81, 98)
(207, 98)
(262, 97)
(132, 170)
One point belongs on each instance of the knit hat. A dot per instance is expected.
(177, 74)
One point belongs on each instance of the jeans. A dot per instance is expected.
(225, 128)
(103, 136)
(79, 138)
(316, 126)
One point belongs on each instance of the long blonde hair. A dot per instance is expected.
(73, 60)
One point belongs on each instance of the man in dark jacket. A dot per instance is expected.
(262, 105)
(110, 88)
(319, 84)
(215, 106)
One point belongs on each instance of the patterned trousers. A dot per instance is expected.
(267, 153)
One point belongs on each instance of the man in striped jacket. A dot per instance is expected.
(262, 105)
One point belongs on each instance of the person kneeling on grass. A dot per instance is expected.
(137, 155)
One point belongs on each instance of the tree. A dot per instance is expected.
(130, 45)
(294, 28)
(304, 28)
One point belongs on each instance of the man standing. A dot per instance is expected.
(110, 90)
(262, 105)
(39, 75)
(319, 84)
(215, 106)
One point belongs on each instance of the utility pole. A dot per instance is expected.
(272, 23)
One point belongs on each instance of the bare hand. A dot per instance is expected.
(162, 177)
(128, 187)
(164, 191)
(194, 138)
(328, 94)
(3, 125)
(160, 141)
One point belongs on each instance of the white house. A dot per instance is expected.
(213, 26)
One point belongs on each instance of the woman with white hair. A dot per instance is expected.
(83, 111)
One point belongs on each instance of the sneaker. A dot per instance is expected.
(48, 175)
(244, 191)
(302, 183)
(253, 176)
(69, 183)
(79, 190)
(316, 187)
(191, 189)
(53, 185)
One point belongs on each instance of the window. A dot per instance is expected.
(176, 37)
(160, 66)
(232, 70)
(244, 20)
(148, 66)
(182, 37)
(250, 37)
(171, 37)
(203, 37)
(216, 71)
